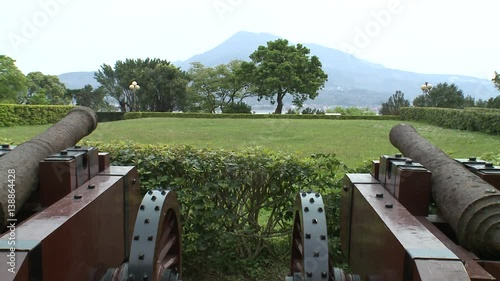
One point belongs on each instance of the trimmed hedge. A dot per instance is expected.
(19, 115)
(136, 115)
(110, 116)
(471, 120)
(234, 205)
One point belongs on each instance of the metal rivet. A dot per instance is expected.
(157, 208)
(308, 235)
(150, 192)
(324, 275)
(131, 277)
(320, 210)
(136, 237)
(304, 194)
(153, 198)
(141, 257)
(488, 164)
(78, 146)
(142, 207)
(346, 188)
(146, 221)
(491, 190)
(399, 155)
(317, 195)
(379, 195)
(309, 274)
(316, 254)
(77, 196)
(91, 186)
(163, 192)
(472, 158)
(388, 205)
(150, 238)
(64, 152)
(323, 237)
(311, 200)
(309, 191)
(145, 277)
(408, 161)
(306, 209)
(134, 181)
(5, 146)
(315, 221)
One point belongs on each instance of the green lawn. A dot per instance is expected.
(353, 141)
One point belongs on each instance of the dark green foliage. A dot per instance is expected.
(135, 115)
(442, 95)
(279, 69)
(234, 205)
(162, 85)
(45, 89)
(309, 110)
(89, 97)
(471, 120)
(18, 115)
(13, 83)
(240, 107)
(395, 102)
(110, 116)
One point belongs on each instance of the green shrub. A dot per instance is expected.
(471, 120)
(19, 115)
(239, 107)
(233, 204)
(352, 111)
(309, 110)
(110, 116)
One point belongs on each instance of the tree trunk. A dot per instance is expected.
(279, 101)
(22, 162)
(469, 204)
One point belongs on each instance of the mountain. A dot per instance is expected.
(78, 80)
(351, 81)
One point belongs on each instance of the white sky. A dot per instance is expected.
(440, 36)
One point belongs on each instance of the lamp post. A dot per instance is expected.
(426, 88)
(134, 87)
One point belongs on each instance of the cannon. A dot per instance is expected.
(67, 214)
(418, 215)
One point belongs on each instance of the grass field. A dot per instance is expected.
(353, 141)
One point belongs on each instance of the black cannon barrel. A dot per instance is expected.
(469, 204)
(19, 168)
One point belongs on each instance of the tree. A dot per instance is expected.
(496, 80)
(87, 96)
(45, 89)
(395, 102)
(204, 83)
(279, 69)
(220, 86)
(13, 83)
(442, 95)
(163, 86)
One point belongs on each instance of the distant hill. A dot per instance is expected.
(351, 81)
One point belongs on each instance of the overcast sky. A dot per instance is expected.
(440, 36)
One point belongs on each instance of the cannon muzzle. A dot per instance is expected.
(19, 168)
(469, 204)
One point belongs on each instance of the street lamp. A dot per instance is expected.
(426, 88)
(134, 87)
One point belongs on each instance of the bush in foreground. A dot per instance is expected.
(237, 207)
